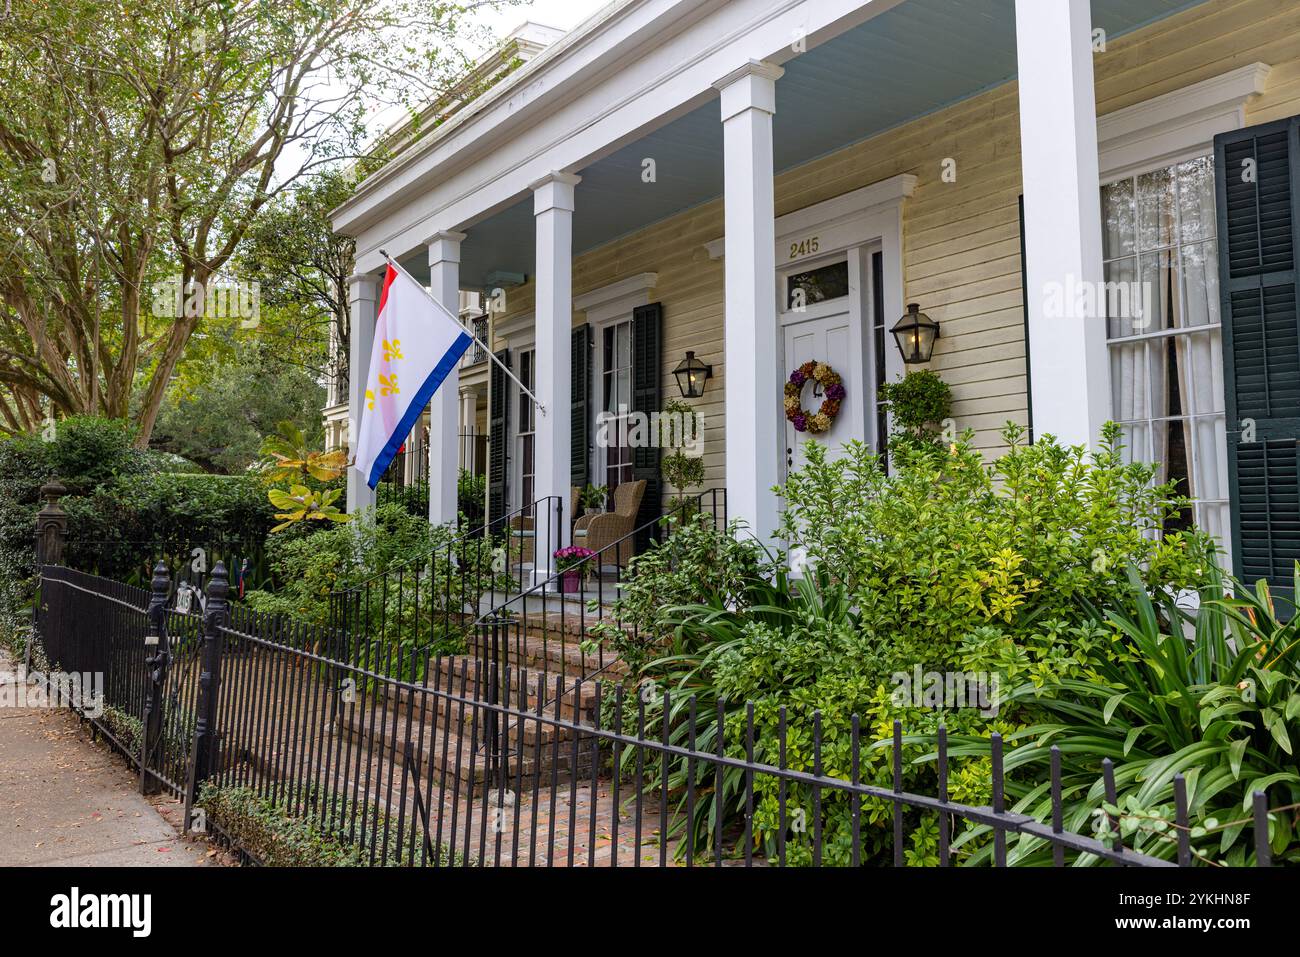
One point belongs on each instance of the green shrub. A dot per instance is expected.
(932, 566)
(471, 497)
(695, 564)
(403, 588)
(946, 544)
(117, 498)
(274, 837)
(1212, 693)
(918, 404)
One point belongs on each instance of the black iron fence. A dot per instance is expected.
(406, 480)
(430, 605)
(480, 762)
(371, 741)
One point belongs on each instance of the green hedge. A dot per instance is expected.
(268, 833)
(115, 494)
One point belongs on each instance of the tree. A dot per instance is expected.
(137, 145)
(232, 398)
(302, 267)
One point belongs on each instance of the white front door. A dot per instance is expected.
(821, 320)
(820, 340)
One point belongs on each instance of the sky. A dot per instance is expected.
(565, 14)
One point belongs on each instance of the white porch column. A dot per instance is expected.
(362, 292)
(444, 283)
(553, 208)
(1058, 138)
(755, 432)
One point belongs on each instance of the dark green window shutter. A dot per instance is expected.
(580, 407)
(498, 436)
(647, 369)
(1257, 176)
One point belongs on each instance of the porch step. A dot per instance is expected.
(564, 697)
(456, 755)
(558, 653)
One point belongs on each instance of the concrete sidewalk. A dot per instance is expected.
(66, 801)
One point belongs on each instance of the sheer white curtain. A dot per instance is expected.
(1166, 364)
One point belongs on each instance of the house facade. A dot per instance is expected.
(761, 184)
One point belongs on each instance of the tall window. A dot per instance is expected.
(526, 436)
(617, 401)
(1166, 364)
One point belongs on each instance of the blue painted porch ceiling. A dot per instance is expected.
(919, 57)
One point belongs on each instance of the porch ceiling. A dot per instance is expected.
(914, 59)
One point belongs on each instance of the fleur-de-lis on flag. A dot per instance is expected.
(393, 350)
(370, 398)
(388, 384)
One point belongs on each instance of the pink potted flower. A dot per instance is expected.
(572, 562)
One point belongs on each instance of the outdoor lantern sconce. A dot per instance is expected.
(691, 374)
(915, 334)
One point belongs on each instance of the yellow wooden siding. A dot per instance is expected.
(961, 239)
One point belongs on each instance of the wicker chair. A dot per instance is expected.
(521, 546)
(600, 532)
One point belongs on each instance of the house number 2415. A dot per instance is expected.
(805, 247)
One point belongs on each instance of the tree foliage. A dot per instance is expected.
(141, 143)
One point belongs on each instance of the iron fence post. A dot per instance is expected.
(51, 536)
(156, 666)
(202, 764)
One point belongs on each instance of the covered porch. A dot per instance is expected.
(761, 186)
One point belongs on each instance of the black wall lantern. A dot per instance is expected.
(691, 374)
(915, 334)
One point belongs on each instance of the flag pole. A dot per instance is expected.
(456, 319)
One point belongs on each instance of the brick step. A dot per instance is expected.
(565, 697)
(463, 676)
(456, 758)
(538, 647)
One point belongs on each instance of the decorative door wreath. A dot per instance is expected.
(832, 387)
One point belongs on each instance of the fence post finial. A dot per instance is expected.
(219, 587)
(51, 525)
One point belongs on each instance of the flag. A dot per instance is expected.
(416, 347)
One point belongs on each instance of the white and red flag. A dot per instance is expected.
(417, 344)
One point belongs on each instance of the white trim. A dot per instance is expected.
(1178, 125)
(750, 87)
(516, 331)
(631, 70)
(868, 218)
(616, 298)
(847, 216)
